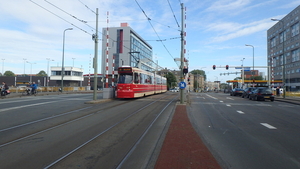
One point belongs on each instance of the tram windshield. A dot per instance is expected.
(125, 78)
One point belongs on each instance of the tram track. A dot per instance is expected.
(66, 162)
(90, 110)
(111, 128)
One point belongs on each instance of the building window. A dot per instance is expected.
(295, 55)
(295, 30)
(273, 42)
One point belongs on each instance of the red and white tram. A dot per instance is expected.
(134, 82)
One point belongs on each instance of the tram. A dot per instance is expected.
(134, 82)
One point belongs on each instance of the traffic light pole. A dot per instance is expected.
(182, 52)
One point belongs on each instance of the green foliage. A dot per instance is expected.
(9, 73)
(199, 72)
(255, 78)
(251, 78)
(171, 80)
(41, 73)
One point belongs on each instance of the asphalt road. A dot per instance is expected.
(61, 131)
(247, 134)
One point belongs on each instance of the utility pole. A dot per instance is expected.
(95, 37)
(182, 52)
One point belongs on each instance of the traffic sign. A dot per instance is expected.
(245, 68)
(182, 85)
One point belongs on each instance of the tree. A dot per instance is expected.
(9, 73)
(41, 73)
(255, 78)
(199, 72)
(171, 80)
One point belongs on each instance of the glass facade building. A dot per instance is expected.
(123, 46)
(284, 50)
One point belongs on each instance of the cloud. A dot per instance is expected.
(234, 30)
(228, 5)
(292, 4)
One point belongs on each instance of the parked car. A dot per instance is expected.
(262, 93)
(236, 92)
(247, 92)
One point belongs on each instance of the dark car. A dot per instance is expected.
(261, 93)
(236, 92)
(247, 92)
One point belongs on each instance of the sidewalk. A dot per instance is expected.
(290, 99)
(182, 147)
(13, 95)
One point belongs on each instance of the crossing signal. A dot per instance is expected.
(185, 71)
(227, 67)
(214, 67)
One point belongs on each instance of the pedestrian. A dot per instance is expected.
(277, 91)
(281, 91)
(33, 87)
(4, 88)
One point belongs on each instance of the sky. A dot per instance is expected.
(31, 31)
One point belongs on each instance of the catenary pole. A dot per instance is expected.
(96, 59)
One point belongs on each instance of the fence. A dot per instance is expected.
(48, 89)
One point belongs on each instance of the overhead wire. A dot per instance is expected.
(60, 17)
(87, 7)
(149, 20)
(66, 12)
(173, 14)
(123, 40)
(83, 21)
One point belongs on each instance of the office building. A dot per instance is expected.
(284, 50)
(123, 46)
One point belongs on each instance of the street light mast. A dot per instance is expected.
(63, 59)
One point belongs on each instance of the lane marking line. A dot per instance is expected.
(268, 126)
(240, 112)
(228, 105)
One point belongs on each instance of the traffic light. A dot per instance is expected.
(214, 67)
(185, 71)
(227, 67)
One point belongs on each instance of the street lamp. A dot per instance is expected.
(24, 65)
(243, 72)
(73, 61)
(217, 83)
(63, 58)
(283, 57)
(48, 60)
(3, 67)
(253, 63)
(30, 70)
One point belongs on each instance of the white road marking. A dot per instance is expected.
(228, 105)
(240, 112)
(229, 98)
(268, 126)
(28, 105)
(211, 96)
(221, 101)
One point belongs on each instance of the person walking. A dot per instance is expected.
(33, 87)
(4, 88)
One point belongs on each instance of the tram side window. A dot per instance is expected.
(158, 80)
(141, 78)
(136, 78)
(125, 78)
(148, 79)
